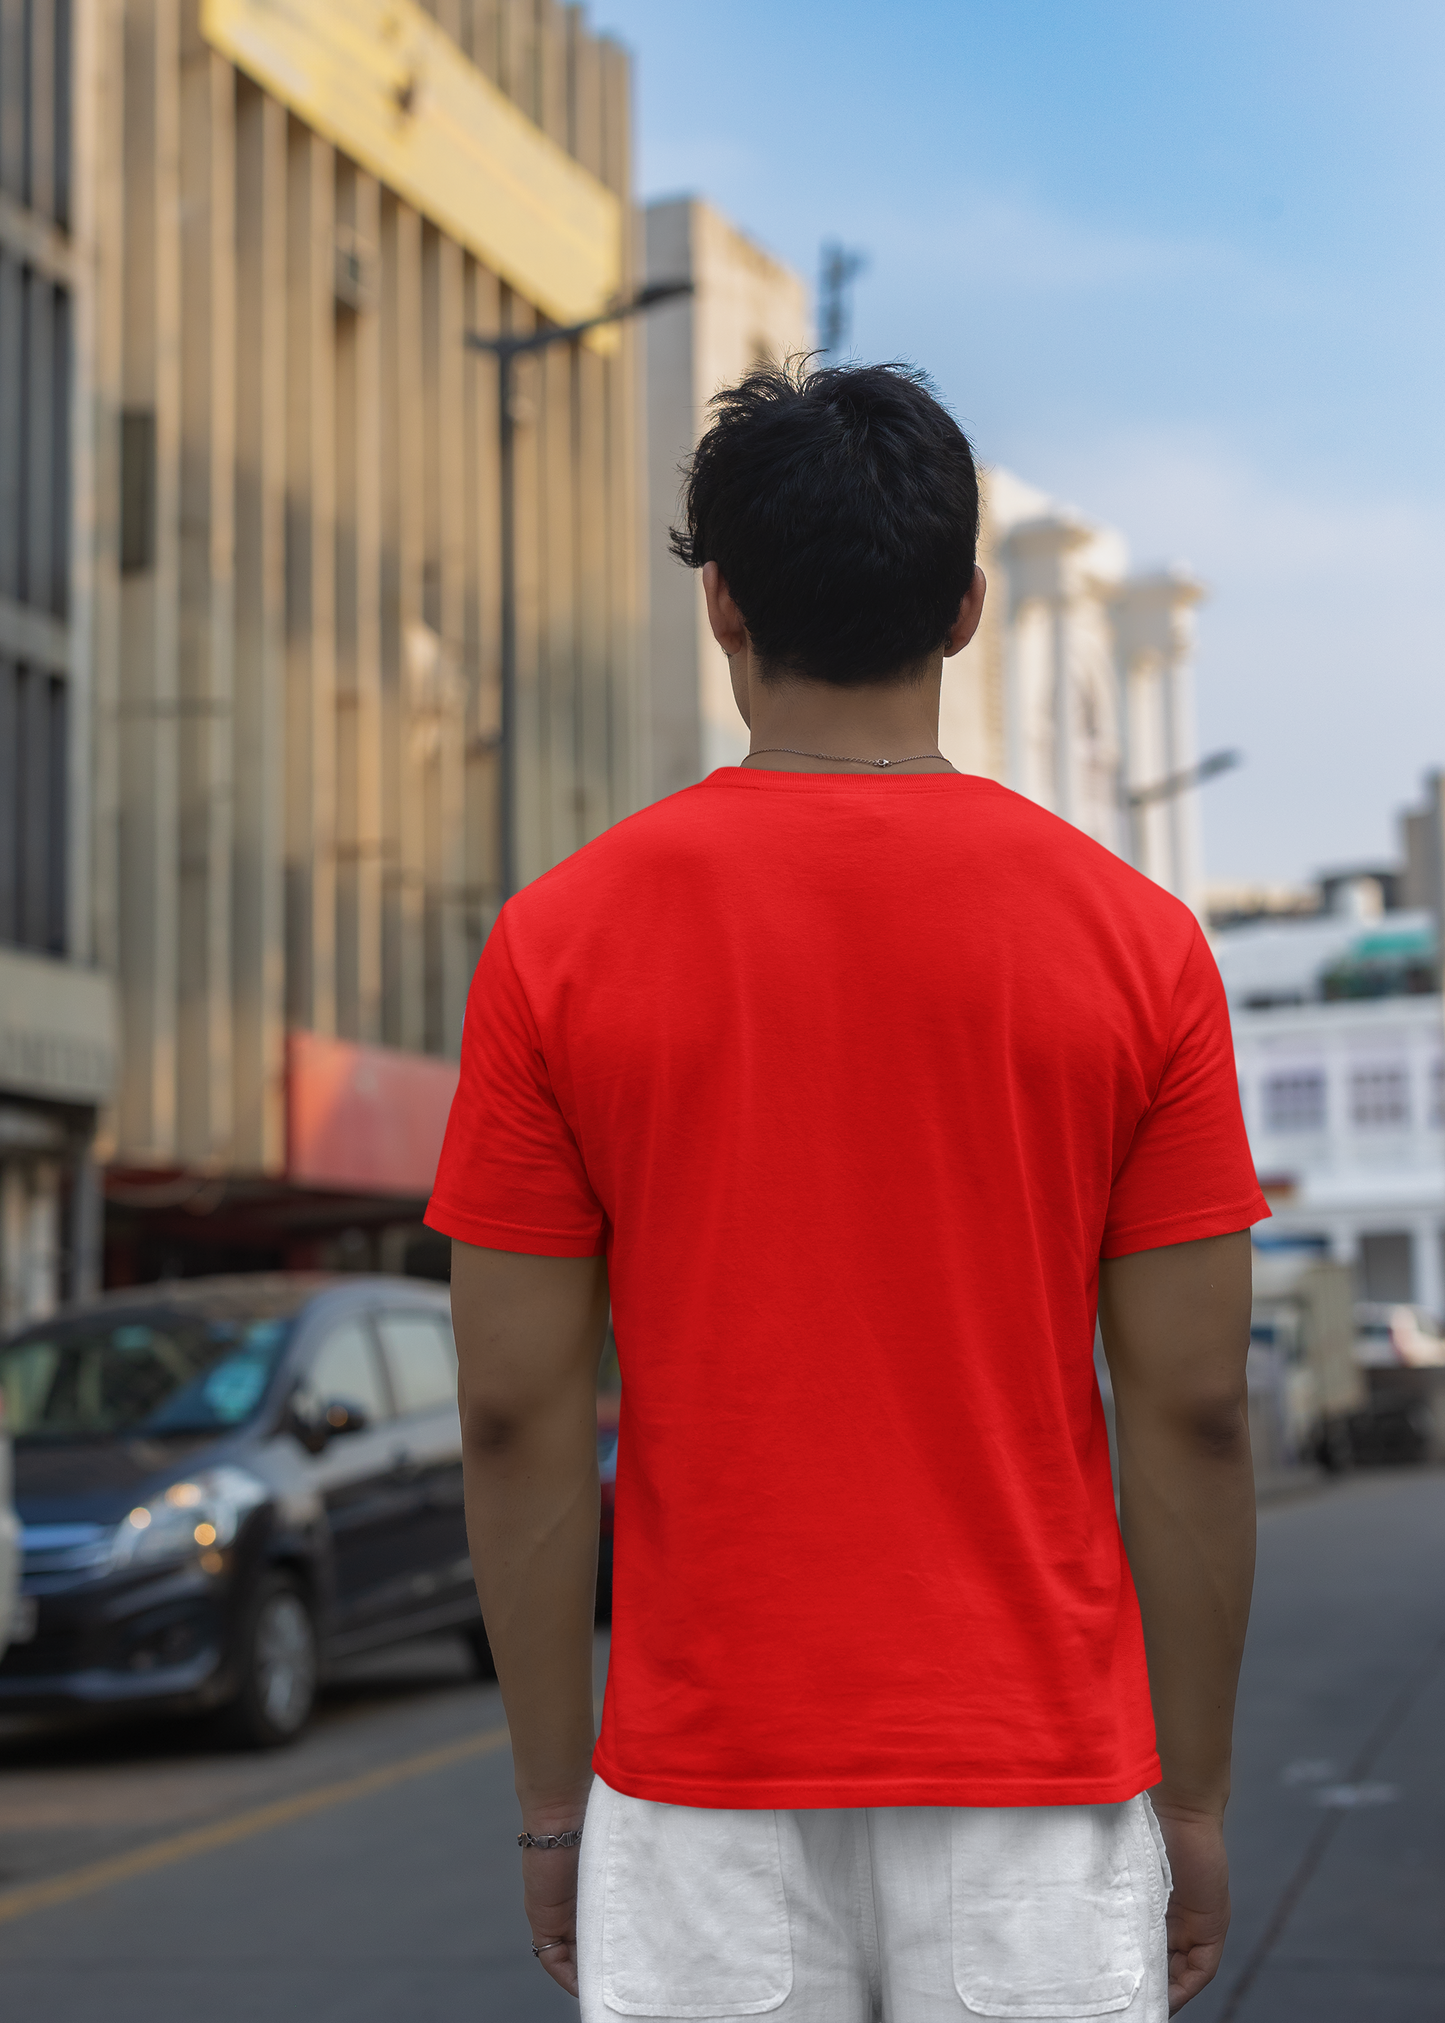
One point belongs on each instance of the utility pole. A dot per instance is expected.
(1180, 783)
(507, 349)
(841, 267)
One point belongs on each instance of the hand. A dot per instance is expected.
(549, 1894)
(1198, 1915)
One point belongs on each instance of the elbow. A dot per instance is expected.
(1217, 1428)
(1207, 1425)
(490, 1429)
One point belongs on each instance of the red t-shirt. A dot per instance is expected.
(854, 1080)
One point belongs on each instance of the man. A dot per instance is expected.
(859, 1086)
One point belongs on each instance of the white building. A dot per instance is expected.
(1342, 1094)
(1077, 690)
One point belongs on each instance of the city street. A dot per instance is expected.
(370, 1874)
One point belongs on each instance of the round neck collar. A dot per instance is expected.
(777, 777)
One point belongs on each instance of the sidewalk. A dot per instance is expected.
(1335, 1832)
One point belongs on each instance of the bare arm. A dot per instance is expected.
(529, 1338)
(1175, 1325)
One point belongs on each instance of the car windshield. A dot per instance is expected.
(152, 1373)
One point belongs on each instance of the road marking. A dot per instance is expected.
(100, 1875)
(1345, 1797)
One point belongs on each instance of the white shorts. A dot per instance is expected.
(912, 1913)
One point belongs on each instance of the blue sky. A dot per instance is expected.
(1179, 262)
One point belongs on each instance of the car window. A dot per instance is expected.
(345, 1371)
(149, 1372)
(420, 1358)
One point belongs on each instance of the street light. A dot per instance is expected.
(1180, 783)
(506, 348)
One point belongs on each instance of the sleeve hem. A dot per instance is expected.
(481, 1230)
(1220, 1220)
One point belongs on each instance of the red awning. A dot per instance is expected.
(367, 1120)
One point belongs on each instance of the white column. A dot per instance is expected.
(1181, 742)
(12, 1243)
(1061, 685)
(1037, 556)
(1153, 622)
(42, 1263)
(1013, 705)
(1429, 1281)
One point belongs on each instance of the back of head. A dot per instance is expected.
(841, 508)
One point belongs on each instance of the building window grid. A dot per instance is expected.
(1380, 1097)
(1294, 1100)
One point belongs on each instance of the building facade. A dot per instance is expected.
(1341, 1056)
(270, 657)
(57, 1014)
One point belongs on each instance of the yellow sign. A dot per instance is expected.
(380, 81)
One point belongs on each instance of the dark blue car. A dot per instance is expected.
(227, 1484)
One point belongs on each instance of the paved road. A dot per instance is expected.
(370, 1875)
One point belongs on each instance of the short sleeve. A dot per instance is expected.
(510, 1176)
(1188, 1172)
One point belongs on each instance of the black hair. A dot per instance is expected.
(841, 507)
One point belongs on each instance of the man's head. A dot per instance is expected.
(840, 507)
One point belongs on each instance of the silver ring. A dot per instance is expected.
(538, 1951)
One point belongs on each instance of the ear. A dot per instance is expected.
(970, 611)
(723, 615)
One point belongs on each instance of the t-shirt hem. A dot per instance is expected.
(449, 1220)
(1221, 1220)
(806, 1794)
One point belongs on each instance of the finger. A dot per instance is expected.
(562, 1966)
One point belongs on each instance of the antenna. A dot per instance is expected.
(841, 265)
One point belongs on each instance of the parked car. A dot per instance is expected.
(228, 1484)
(1396, 1336)
(1402, 1355)
(13, 1606)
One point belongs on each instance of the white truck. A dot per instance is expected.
(1305, 1385)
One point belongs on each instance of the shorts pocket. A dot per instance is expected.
(1045, 1920)
(694, 1920)
(1165, 1875)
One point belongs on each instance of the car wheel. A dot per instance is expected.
(474, 1636)
(278, 1666)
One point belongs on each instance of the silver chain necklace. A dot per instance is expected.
(833, 758)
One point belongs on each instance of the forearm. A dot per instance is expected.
(532, 1506)
(1187, 1512)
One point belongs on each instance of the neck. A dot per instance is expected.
(823, 729)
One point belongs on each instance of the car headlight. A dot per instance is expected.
(200, 1515)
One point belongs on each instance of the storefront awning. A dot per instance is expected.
(364, 1120)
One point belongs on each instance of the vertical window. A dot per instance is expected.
(346, 1372)
(1380, 1097)
(1295, 1100)
(34, 746)
(421, 1360)
(35, 488)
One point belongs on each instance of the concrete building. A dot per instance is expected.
(1077, 690)
(746, 307)
(261, 683)
(1095, 664)
(57, 1014)
(1341, 1054)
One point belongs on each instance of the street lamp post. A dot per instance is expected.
(506, 349)
(1180, 783)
